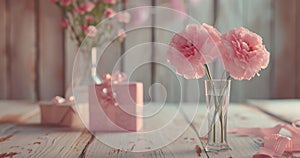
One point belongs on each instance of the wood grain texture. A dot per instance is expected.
(51, 51)
(17, 111)
(287, 110)
(3, 51)
(23, 50)
(183, 146)
(297, 51)
(284, 63)
(45, 142)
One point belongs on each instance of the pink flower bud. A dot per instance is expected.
(65, 2)
(64, 24)
(89, 18)
(87, 6)
(109, 1)
(109, 13)
(121, 34)
(123, 17)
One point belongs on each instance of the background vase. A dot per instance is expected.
(217, 98)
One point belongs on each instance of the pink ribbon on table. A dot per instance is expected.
(107, 96)
(275, 144)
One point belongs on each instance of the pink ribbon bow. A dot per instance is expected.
(107, 96)
(275, 144)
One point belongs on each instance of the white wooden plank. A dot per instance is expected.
(184, 146)
(51, 49)
(17, 111)
(285, 44)
(260, 21)
(288, 109)
(22, 50)
(38, 141)
(3, 51)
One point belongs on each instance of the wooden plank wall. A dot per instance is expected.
(36, 58)
(31, 44)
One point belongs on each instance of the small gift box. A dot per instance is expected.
(59, 112)
(115, 105)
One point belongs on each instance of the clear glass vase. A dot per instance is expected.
(217, 98)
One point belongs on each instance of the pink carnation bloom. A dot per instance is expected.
(191, 48)
(244, 54)
(109, 1)
(123, 17)
(109, 13)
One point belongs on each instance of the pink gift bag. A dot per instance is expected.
(116, 107)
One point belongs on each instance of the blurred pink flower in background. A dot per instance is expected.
(87, 6)
(140, 16)
(65, 2)
(64, 24)
(91, 31)
(54, 1)
(109, 1)
(244, 54)
(179, 6)
(89, 18)
(121, 34)
(109, 13)
(123, 17)
(190, 49)
(80, 10)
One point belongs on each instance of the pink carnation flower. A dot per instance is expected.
(244, 54)
(109, 1)
(192, 48)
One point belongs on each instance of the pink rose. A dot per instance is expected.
(65, 2)
(109, 1)
(121, 34)
(244, 54)
(64, 24)
(123, 17)
(190, 49)
(109, 13)
(87, 6)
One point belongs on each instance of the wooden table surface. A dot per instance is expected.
(21, 134)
